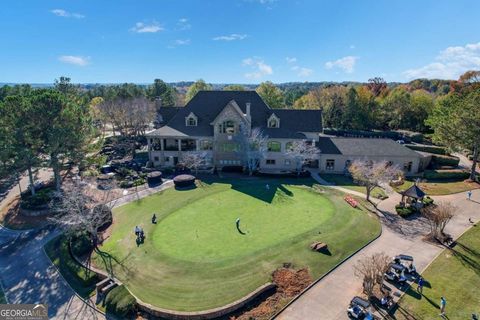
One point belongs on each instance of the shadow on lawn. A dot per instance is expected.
(471, 259)
(261, 188)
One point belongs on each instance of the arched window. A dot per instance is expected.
(191, 120)
(274, 146)
(273, 123)
(289, 145)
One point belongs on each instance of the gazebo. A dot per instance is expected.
(414, 195)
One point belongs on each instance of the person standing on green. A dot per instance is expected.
(443, 304)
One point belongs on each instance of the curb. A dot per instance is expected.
(326, 274)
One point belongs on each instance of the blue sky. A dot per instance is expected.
(237, 41)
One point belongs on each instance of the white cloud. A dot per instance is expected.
(449, 63)
(141, 27)
(183, 24)
(347, 64)
(352, 46)
(301, 71)
(66, 14)
(181, 42)
(291, 59)
(304, 72)
(258, 66)
(75, 60)
(230, 37)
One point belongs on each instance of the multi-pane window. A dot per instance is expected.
(270, 161)
(273, 123)
(229, 147)
(191, 122)
(206, 145)
(227, 127)
(330, 164)
(274, 146)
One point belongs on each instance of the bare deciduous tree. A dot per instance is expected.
(373, 174)
(253, 147)
(371, 269)
(80, 211)
(301, 152)
(438, 216)
(194, 160)
(129, 116)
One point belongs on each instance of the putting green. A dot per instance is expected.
(206, 231)
(194, 258)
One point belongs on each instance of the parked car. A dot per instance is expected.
(400, 141)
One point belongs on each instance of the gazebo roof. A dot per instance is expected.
(414, 192)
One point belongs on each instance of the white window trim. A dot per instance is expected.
(191, 116)
(273, 116)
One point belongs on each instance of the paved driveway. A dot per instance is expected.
(28, 276)
(328, 299)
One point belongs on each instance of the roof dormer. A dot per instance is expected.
(273, 121)
(191, 120)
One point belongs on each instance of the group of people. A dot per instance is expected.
(140, 234)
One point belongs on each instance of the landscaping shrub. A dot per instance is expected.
(442, 160)
(427, 201)
(80, 245)
(138, 182)
(41, 199)
(126, 184)
(456, 174)
(429, 149)
(120, 302)
(403, 211)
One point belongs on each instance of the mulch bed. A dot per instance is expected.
(290, 282)
(12, 217)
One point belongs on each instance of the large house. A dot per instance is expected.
(211, 120)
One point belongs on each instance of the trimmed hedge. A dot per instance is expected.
(120, 302)
(429, 149)
(427, 201)
(403, 211)
(441, 160)
(456, 174)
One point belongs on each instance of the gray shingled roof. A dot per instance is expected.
(167, 114)
(206, 105)
(414, 192)
(364, 147)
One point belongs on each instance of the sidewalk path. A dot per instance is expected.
(323, 182)
(28, 276)
(329, 298)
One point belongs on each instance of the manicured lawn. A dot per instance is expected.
(80, 280)
(440, 187)
(455, 274)
(195, 259)
(347, 183)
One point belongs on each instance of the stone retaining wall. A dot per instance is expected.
(206, 314)
(183, 315)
